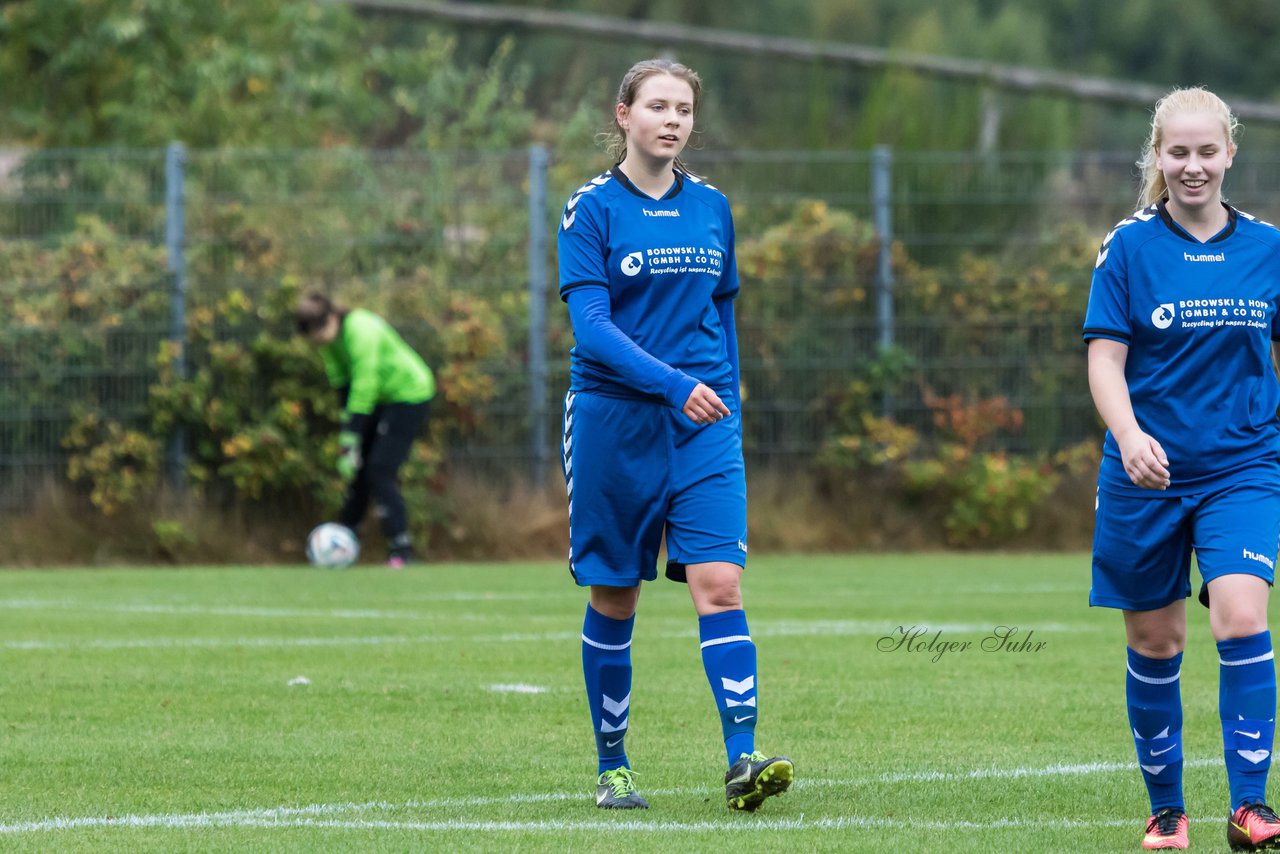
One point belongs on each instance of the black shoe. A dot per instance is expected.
(755, 777)
(616, 790)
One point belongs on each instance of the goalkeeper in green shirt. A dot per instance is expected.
(386, 389)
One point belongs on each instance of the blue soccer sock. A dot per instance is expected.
(1247, 707)
(1154, 696)
(729, 657)
(606, 665)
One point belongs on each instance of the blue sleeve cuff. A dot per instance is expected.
(679, 386)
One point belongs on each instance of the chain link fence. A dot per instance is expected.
(823, 295)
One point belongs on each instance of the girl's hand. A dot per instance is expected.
(704, 406)
(1144, 460)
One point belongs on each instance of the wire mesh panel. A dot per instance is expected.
(83, 284)
(991, 260)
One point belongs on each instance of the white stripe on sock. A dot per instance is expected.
(590, 642)
(729, 639)
(1152, 681)
(1270, 655)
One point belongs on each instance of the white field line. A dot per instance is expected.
(753, 826)
(216, 643)
(1059, 770)
(246, 610)
(759, 628)
(763, 627)
(314, 814)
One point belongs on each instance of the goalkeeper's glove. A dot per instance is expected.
(349, 455)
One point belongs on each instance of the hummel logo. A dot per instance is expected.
(1257, 734)
(738, 720)
(1167, 749)
(613, 743)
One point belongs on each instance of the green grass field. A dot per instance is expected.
(158, 710)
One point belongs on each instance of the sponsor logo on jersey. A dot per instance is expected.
(632, 264)
(1162, 317)
(1187, 256)
(648, 212)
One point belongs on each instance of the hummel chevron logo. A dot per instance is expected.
(739, 687)
(729, 704)
(615, 707)
(1257, 734)
(1166, 750)
(605, 726)
(1153, 769)
(1254, 756)
(1164, 733)
(570, 212)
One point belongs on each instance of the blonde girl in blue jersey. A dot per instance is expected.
(652, 435)
(1181, 322)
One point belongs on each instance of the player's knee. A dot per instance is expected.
(1157, 642)
(616, 603)
(716, 591)
(1238, 623)
(1162, 648)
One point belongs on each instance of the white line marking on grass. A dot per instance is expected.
(1019, 589)
(819, 628)
(519, 688)
(216, 643)
(749, 825)
(308, 815)
(244, 610)
(878, 628)
(1007, 773)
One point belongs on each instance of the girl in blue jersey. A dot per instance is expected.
(652, 430)
(1181, 322)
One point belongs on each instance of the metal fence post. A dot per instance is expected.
(539, 449)
(175, 161)
(882, 217)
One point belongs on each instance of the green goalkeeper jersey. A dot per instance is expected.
(370, 356)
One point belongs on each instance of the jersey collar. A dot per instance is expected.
(626, 182)
(1173, 226)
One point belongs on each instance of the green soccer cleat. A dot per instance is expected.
(616, 790)
(755, 777)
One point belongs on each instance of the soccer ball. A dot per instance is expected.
(332, 546)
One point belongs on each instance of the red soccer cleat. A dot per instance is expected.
(1166, 830)
(1253, 827)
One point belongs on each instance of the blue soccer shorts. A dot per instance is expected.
(1142, 545)
(634, 468)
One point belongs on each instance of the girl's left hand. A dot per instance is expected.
(704, 406)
